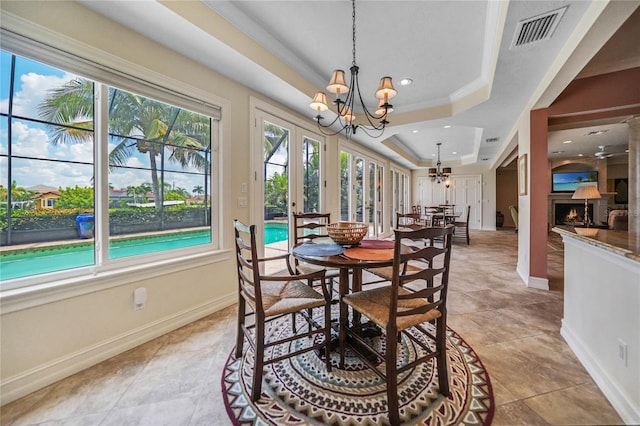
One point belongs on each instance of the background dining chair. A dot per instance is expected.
(307, 228)
(463, 226)
(409, 220)
(406, 307)
(270, 297)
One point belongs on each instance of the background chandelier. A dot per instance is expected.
(434, 172)
(345, 108)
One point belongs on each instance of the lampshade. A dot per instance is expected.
(386, 89)
(586, 192)
(319, 102)
(380, 109)
(337, 84)
(446, 170)
(433, 171)
(347, 115)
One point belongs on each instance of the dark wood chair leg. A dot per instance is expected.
(441, 348)
(241, 320)
(327, 336)
(258, 361)
(392, 378)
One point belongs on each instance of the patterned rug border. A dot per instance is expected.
(257, 420)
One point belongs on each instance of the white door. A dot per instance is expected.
(467, 191)
(289, 176)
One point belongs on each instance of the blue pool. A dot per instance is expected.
(61, 257)
(275, 232)
(54, 258)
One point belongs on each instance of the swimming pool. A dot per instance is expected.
(275, 232)
(34, 261)
(41, 260)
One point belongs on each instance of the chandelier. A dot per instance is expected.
(435, 173)
(345, 119)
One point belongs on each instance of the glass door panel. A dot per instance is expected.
(275, 144)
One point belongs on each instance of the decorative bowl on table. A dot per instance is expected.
(347, 233)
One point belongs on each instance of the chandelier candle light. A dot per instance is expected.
(345, 118)
(439, 175)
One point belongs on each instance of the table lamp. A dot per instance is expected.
(586, 192)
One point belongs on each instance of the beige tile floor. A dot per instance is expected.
(175, 379)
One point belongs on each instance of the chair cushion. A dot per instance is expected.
(374, 304)
(288, 296)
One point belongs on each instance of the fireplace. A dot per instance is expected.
(570, 213)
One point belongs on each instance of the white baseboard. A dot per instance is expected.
(625, 408)
(44, 375)
(539, 283)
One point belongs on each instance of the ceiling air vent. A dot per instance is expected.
(538, 28)
(491, 140)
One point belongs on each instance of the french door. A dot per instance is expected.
(291, 175)
(362, 191)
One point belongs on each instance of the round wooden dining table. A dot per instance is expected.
(369, 254)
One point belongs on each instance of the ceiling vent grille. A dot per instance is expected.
(538, 28)
(492, 140)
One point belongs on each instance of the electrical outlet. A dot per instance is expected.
(139, 298)
(622, 351)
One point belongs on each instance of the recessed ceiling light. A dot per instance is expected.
(567, 141)
(626, 150)
(580, 155)
(454, 152)
(416, 131)
(433, 155)
(405, 82)
(447, 126)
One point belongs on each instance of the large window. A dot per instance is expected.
(55, 154)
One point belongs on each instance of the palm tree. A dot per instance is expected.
(136, 124)
(198, 189)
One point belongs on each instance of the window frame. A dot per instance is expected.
(43, 288)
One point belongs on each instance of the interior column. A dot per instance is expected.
(539, 188)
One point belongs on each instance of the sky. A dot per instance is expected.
(75, 166)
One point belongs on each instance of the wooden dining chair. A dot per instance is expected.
(463, 226)
(270, 297)
(402, 311)
(309, 227)
(409, 220)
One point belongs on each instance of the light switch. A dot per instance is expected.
(242, 202)
(243, 187)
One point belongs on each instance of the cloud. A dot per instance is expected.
(35, 88)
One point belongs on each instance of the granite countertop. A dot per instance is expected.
(620, 242)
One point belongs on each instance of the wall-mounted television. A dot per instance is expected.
(569, 181)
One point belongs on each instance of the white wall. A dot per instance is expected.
(601, 310)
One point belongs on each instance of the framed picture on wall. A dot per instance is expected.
(522, 174)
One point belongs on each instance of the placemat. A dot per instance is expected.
(310, 249)
(377, 244)
(369, 254)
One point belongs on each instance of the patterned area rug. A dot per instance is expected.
(299, 391)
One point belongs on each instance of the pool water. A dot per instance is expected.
(34, 261)
(58, 258)
(275, 232)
